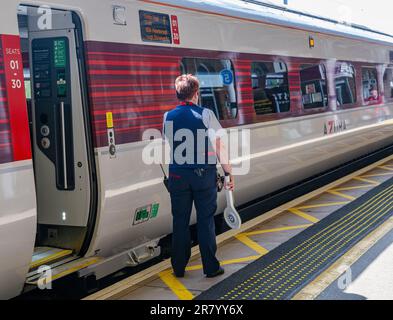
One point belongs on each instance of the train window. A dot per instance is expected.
(314, 86)
(218, 90)
(270, 87)
(345, 84)
(388, 83)
(370, 84)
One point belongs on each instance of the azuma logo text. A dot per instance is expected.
(335, 126)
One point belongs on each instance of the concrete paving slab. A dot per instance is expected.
(286, 219)
(153, 293)
(196, 281)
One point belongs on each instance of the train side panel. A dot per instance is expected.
(17, 192)
(133, 81)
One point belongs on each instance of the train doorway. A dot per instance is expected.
(52, 50)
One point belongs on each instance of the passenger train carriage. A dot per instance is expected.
(81, 81)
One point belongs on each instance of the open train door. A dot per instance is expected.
(62, 152)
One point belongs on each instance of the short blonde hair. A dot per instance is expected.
(186, 87)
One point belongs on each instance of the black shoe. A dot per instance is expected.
(179, 275)
(219, 272)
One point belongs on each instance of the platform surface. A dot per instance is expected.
(370, 278)
(249, 246)
(286, 270)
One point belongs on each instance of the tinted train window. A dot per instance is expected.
(217, 81)
(313, 85)
(345, 84)
(270, 87)
(388, 83)
(370, 84)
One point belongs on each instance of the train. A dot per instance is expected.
(81, 81)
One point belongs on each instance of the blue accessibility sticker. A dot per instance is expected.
(227, 76)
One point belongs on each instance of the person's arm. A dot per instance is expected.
(223, 157)
(218, 141)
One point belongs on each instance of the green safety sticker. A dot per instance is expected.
(60, 53)
(146, 213)
(154, 210)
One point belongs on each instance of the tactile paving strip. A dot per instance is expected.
(286, 270)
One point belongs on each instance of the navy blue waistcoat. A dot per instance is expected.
(190, 117)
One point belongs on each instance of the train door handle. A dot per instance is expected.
(63, 144)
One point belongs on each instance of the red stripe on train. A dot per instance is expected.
(160, 116)
(130, 93)
(133, 110)
(119, 85)
(132, 63)
(129, 72)
(125, 54)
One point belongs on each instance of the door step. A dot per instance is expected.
(47, 256)
(60, 269)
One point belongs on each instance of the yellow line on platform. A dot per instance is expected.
(365, 186)
(377, 175)
(322, 205)
(254, 233)
(366, 180)
(251, 244)
(385, 168)
(226, 262)
(181, 291)
(303, 215)
(342, 195)
(175, 285)
(241, 260)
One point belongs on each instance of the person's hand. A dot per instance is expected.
(231, 184)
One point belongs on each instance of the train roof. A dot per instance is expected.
(277, 15)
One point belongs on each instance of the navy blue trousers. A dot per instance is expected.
(188, 188)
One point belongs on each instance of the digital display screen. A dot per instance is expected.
(155, 27)
(60, 53)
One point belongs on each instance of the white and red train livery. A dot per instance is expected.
(80, 81)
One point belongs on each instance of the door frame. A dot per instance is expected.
(81, 55)
(83, 78)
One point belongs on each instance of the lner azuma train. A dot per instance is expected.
(81, 81)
